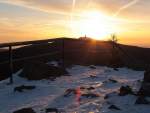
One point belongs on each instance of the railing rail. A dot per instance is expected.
(2, 45)
(15, 44)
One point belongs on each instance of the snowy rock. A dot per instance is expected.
(110, 95)
(147, 76)
(113, 81)
(39, 70)
(145, 88)
(114, 107)
(116, 69)
(90, 88)
(54, 110)
(125, 90)
(90, 95)
(69, 92)
(23, 87)
(142, 100)
(25, 110)
(92, 67)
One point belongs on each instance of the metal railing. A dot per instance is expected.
(25, 43)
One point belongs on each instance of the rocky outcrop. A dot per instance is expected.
(35, 70)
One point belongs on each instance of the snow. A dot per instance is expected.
(50, 94)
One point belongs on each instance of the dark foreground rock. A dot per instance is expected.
(112, 80)
(78, 92)
(69, 92)
(25, 110)
(23, 87)
(52, 110)
(125, 90)
(110, 95)
(147, 76)
(145, 88)
(90, 95)
(114, 107)
(92, 67)
(38, 70)
(142, 100)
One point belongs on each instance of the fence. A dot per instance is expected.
(25, 43)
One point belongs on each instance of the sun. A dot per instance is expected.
(94, 24)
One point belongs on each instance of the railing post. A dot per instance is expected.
(11, 64)
(63, 53)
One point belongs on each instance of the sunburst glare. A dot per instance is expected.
(94, 24)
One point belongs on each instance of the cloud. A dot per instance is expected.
(50, 6)
(132, 9)
(130, 4)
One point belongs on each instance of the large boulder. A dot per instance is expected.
(35, 70)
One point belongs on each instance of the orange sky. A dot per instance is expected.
(38, 19)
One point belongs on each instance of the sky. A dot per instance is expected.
(22, 20)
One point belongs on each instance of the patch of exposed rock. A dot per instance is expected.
(125, 90)
(25, 110)
(35, 70)
(145, 88)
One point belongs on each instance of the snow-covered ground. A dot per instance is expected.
(50, 94)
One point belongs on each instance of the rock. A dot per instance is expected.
(82, 88)
(142, 100)
(69, 92)
(35, 70)
(144, 90)
(93, 76)
(114, 107)
(53, 110)
(87, 88)
(92, 67)
(23, 87)
(125, 90)
(110, 95)
(90, 95)
(147, 76)
(25, 110)
(113, 81)
(140, 81)
(106, 96)
(90, 88)
(116, 69)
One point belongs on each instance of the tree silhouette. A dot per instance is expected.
(115, 59)
(114, 38)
